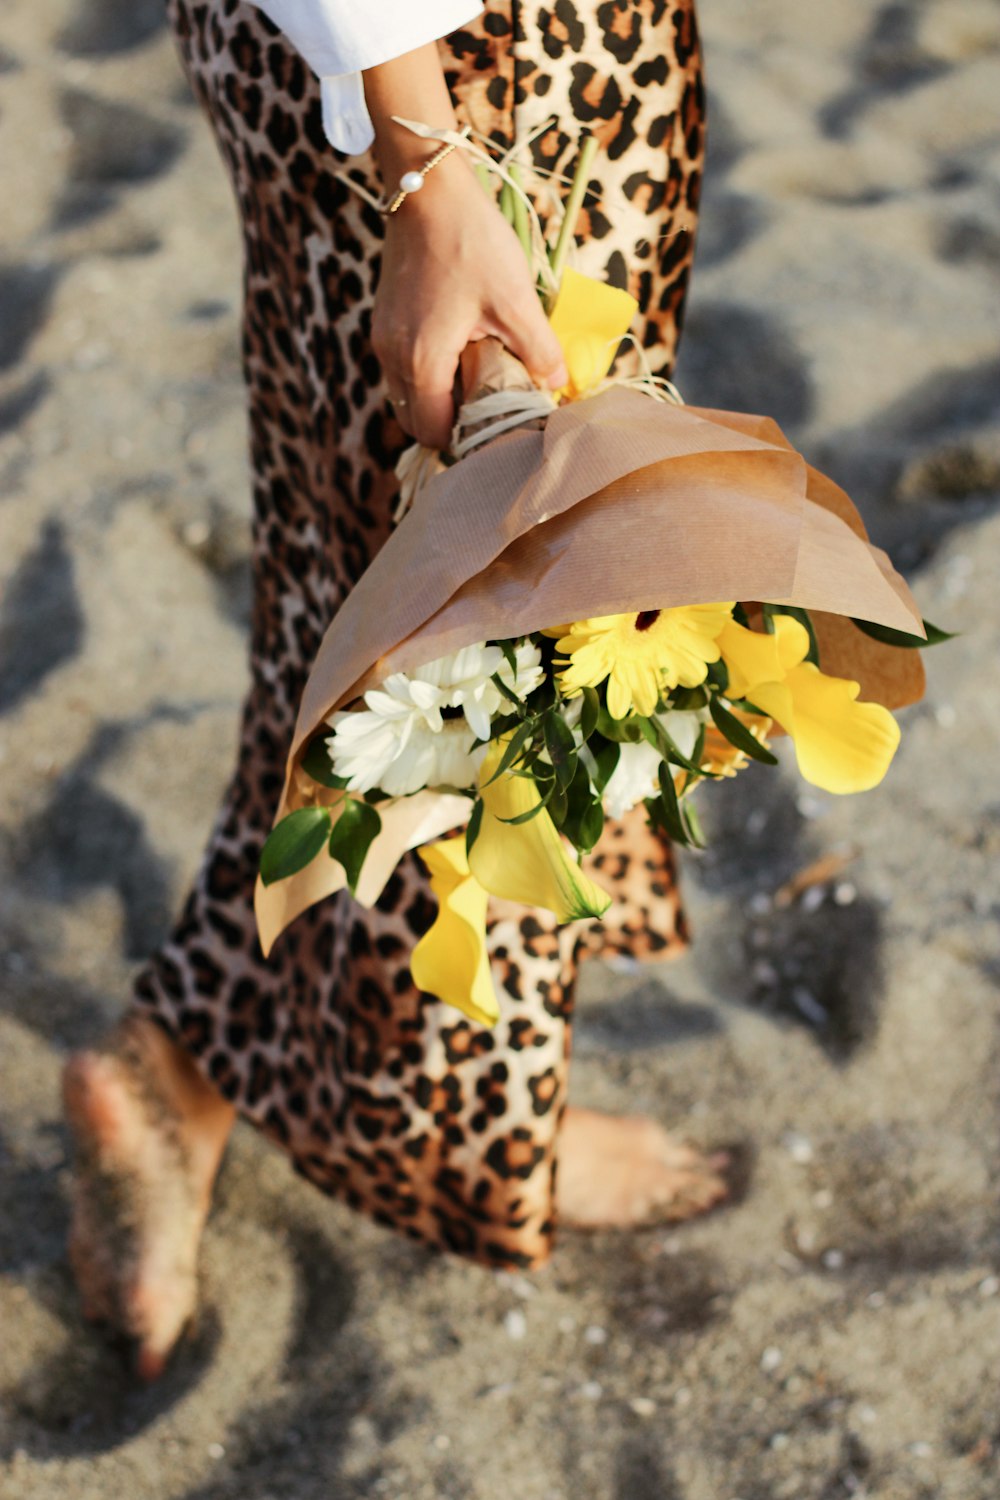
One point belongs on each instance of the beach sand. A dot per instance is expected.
(834, 1332)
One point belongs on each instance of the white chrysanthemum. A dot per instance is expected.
(400, 753)
(635, 777)
(465, 679)
(404, 738)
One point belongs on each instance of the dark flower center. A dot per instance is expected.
(647, 618)
(451, 713)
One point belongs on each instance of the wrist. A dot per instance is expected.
(398, 150)
(450, 180)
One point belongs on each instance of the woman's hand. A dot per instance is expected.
(453, 270)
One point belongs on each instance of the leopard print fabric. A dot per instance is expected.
(381, 1095)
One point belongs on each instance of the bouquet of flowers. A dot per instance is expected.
(602, 602)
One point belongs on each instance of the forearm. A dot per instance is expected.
(452, 268)
(412, 87)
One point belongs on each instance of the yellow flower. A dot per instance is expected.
(527, 862)
(589, 319)
(840, 745)
(450, 960)
(642, 655)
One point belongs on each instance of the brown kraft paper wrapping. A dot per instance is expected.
(620, 503)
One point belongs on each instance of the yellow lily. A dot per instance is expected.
(450, 960)
(589, 319)
(527, 862)
(840, 745)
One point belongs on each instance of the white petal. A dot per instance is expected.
(387, 707)
(633, 779)
(479, 720)
(425, 694)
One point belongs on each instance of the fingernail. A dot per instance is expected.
(557, 377)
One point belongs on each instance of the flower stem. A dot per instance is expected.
(588, 150)
(521, 225)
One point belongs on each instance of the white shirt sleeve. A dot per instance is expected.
(338, 38)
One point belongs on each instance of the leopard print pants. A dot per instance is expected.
(379, 1094)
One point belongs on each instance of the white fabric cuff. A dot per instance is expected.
(346, 120)
(346, 36)
(339, 38)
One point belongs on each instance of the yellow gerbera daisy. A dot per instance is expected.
(642, 655)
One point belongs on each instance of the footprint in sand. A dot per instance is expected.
(41, 618)
(115, 146)
(101, 28)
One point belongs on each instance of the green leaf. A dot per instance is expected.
(802, 615)
(475, 823)
(294, 843)
(606, 757)
(510, 656)
(655, 734)
(739, 735)
(624, 731)
(935, 635)
(561, 745)
(501, 725)
(668, 808)
(317, 763)
(508, 693)
(351, 838)
(578, 799)
(558, 806)
(516, 744)
(589, 713)
(591, 826)
(718, 675)
(687, 700)
(692, 822)
(698, 753)
(532, 812)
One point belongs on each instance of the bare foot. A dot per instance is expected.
(148, 1136)
(617, 1171)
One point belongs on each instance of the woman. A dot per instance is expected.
(353, 326)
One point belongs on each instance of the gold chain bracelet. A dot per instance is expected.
(412, 182)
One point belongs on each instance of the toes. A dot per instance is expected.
(136, 1218)
(689, 1194)
(156, 1309)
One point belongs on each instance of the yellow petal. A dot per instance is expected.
(751, 656)
(620, 697)
(527, 862)
(450, 960)
(589, 319)
(840, 745)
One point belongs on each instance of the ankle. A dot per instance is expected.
(204, 1116)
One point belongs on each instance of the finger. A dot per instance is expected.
(429, 414)
(530, 337)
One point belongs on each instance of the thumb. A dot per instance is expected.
(529, 335)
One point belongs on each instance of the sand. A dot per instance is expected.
(836, 1331)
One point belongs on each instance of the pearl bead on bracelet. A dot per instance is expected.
(413, 181)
